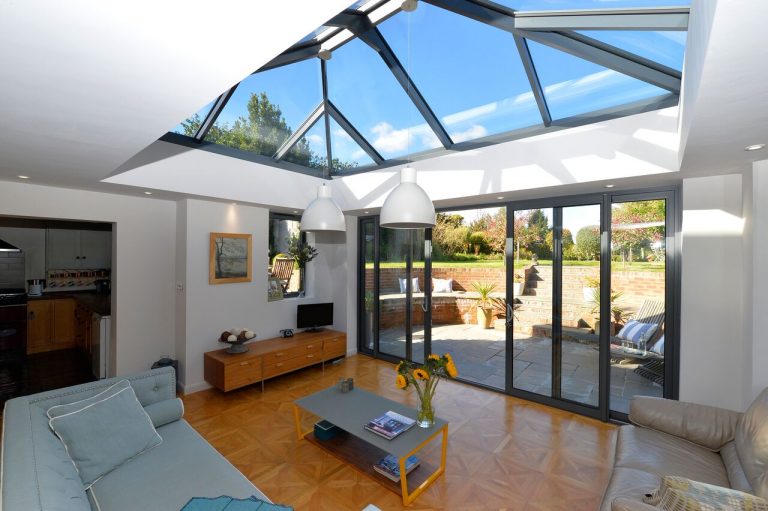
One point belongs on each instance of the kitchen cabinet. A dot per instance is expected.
(83, 328)
(70, 248)
(50, 325)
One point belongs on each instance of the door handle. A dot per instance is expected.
(510, 315)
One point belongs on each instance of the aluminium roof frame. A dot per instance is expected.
(556, 29)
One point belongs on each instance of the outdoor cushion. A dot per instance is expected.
(658, 346)
(168, 476)
(442, 285)
(103, 434)
(637, 332)
(414, 284)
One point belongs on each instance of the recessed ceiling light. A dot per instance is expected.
(234, 203)
(147, 193)
(500, 197)
(23, 177)
(609, 186)
(366, 212)
(753, 147)
(295, 210)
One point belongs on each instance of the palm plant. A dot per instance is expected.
(484, 289)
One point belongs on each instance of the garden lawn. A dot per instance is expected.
(498, 263)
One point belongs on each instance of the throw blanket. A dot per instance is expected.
(225, 503)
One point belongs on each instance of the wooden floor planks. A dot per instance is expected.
(503, 452)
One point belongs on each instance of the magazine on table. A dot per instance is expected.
(390, 425)
(389, 466)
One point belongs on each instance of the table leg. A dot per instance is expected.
(297, 417)
(408, 498)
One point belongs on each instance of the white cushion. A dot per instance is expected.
(442, 285)
(414, 284)
(637, 332)
(658, 346)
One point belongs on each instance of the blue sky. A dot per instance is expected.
(469, 73)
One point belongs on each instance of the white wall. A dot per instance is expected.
(711, 336)
(210, 309)
(32, 242)
(143, 265)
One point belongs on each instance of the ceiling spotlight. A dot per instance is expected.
(295, 211)
(609, 186)
(500, 197)
(753, 147)
(366, 212)
(409, 5)
(325, 54)
(23, 177)
(147, 193)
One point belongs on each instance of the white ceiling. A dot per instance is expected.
(725, 97)
(85, 85)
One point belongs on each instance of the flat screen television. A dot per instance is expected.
(312, 316)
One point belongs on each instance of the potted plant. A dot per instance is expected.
(501, 310)
(618, 312)
(302, 252)
(425, 379)
(591, 284)
(484, 309)
(518, 284)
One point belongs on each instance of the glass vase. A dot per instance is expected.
(425, 416)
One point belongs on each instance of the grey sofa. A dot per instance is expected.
(38, 475)
(702, 443)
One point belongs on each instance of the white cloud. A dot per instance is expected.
(417, 138)
(339, 132)
(316, 141)
(471, 133)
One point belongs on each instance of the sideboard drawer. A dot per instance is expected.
(336, 347)
(239, 374)
(295, 351)
(291, 364)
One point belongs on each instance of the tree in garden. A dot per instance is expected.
(637, 224)
(496, 231)
(449, 236)
(588, 243)
(522, 233)
(262, 132)
(567, 244)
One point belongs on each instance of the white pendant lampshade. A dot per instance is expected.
(323, 214)
(408, 206)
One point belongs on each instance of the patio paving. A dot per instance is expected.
(480, 357)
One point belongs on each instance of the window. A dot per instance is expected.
(285, 237)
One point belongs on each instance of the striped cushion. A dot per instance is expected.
(680, 494)
(637, 332)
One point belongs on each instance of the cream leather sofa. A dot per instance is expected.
(702, 443)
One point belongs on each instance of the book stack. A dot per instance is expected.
(390, 425)
(389, 466)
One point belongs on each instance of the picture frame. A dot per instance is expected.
(231, 258)
(274, 289)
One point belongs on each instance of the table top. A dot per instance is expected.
(351, 411)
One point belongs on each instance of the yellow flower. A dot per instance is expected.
(434, 357)
(420, 374)
(398, 366)
(449, 358)
(401, 381)
(451, 368)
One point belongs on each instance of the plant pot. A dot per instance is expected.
(589, 293)
(612, 329)
(517, 288)
(369, 329)
(484, 317)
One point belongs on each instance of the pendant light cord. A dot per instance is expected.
(408, 65)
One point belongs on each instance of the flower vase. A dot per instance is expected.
(425, 416)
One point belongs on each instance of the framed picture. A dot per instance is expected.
(230, 258)
(274, 289)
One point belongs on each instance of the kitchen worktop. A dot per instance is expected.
(100, 304)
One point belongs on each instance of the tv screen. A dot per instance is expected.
(314, 315)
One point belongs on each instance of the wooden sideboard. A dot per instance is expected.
(272, 357)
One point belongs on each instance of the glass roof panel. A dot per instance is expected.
(475, 83)
(367, 93)
(191, 124)
(310, 151)
(267, 107)
(574, 86)
(563, 5)
(666, 48)
(347, 155)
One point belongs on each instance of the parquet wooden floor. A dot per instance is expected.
(503, 452)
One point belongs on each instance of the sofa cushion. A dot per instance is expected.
(736, 474)
(662, 454)
(678, 493)
(165, 412)
(67, 408)
(752, 444)
(103, 434)
(182, 467)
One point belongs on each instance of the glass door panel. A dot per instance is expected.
(638, 300)
(580, 303)
(532, 308)
(368, 254)
(398, 283)
(467, 257)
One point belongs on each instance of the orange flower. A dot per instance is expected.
(401, 381)
(420, 374)
(434, 357)
(451, 368)
(398, 366)
(449, 358)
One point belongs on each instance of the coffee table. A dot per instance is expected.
(360, 448)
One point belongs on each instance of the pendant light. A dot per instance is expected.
(323, 214)
(408, 206)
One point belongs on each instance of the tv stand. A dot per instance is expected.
(314, 329)
(273, 357)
